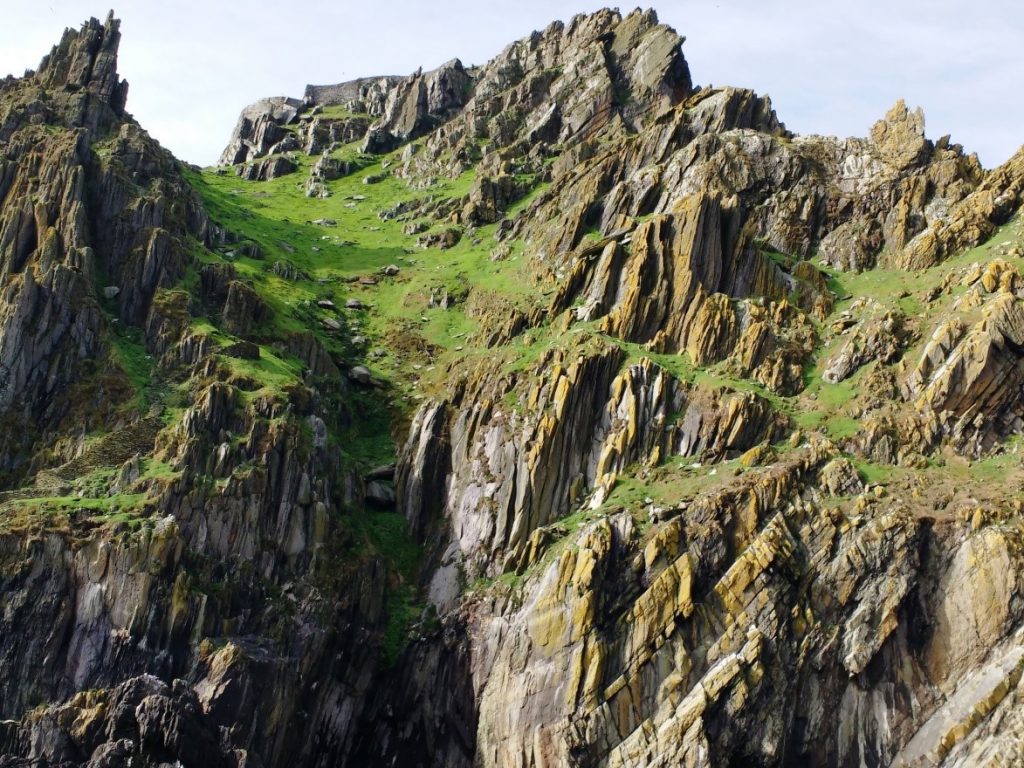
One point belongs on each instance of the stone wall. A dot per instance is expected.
(342, 93)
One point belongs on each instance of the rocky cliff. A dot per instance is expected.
(557, 411)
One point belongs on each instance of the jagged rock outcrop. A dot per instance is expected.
(418, 103)
(602, 72)
(260, 129)
(507, 471)
(973, 219)
(323, 134)
(265, 170)
(881, 338)
(899, 137)
(281, 124)
(143, 719)
(84, 66)
(968, 377)
(220, 523)
(85, 192)
(696, 464)
(385, 110)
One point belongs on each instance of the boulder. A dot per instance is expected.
(446, 238)
(379, 494)
(360, 374)
(840, 478)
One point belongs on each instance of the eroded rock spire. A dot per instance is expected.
(83, 68)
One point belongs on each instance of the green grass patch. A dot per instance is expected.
(129, 354)
(367, 443)
(872, 473)
(386, 535)
(339, 112)
(103, 505)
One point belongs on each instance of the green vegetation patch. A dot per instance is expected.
(129, 354)
(385, 535)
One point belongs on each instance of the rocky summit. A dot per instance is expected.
(557, 411)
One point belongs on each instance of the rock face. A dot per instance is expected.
(595, 424)
(417, 104)
(972, 219)
(141, 718)
(966, 380)
(879, 339)
(694, 443)
(96, 605)
(85, 192)
(259, 131)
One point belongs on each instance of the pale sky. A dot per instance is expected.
(830, 67)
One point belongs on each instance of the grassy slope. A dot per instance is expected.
(279, 216)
